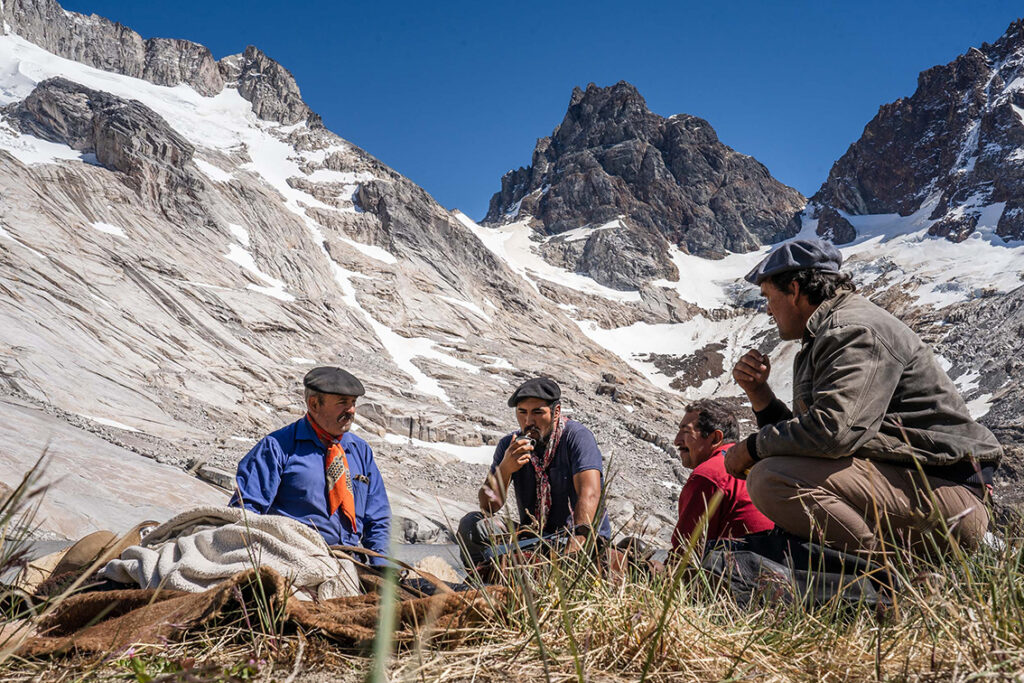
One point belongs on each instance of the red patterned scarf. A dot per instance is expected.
(541, 465)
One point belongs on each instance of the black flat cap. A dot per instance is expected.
(333, 381)
(538, 387)
(797, 255)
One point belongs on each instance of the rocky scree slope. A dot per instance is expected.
(666, 181)
(175, 259)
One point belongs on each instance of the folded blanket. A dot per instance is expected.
(204, 546)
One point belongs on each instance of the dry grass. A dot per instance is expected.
(564, 621)
(595, 630)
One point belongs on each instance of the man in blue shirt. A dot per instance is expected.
(555, 467)
(317, 472)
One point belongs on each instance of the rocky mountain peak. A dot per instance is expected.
(649, 183)
(953, 149)
(605, 116)
(269, 86)
(107, 45)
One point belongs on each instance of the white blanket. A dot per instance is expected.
(203, 546)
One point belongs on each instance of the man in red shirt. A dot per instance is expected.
(707, 431)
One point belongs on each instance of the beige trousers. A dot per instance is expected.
(855, 504)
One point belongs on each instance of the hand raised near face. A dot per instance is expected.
(517, 454)
(752, 370)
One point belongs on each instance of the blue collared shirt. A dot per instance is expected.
(284, 474)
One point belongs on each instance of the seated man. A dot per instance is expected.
(554, 465)
(316, 471)
(707, 431)
(870, 407)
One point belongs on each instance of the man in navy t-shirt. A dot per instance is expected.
(555, 468)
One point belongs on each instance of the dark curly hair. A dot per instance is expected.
(712, 415)
(817, 285)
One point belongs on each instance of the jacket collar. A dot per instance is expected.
(818, 319)
(305, 432)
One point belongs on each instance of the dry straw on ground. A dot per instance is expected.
(563, 620)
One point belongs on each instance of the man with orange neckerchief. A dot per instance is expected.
(319, 473)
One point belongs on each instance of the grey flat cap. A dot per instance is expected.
(538, 387)
(333, 381)
(796, 255)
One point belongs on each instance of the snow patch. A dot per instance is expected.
(401, 349)
(107, 422)
(31, 150)
(239, 233)
(212, 172)
(298, 360)
(706, 282)
(109, 229)
(476, 455)
(469, 306)
(326, 175)
(635, 344)
(274, 288)
(512, 244)
(578, 234)
(373, 251)
(979, 406)
(937, 272)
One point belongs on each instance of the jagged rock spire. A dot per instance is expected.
(669, 180)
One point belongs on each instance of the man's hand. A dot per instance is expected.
(751, 373)
(516, 455)
(575, 544)
(738, 461)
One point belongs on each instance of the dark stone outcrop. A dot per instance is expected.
(667, 179)
(125, 135)
(956, 141)
(834, 228)
(269, 86)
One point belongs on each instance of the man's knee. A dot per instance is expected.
(468, 531)
(768, 484)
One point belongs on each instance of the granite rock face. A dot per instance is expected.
(107, 45)
(269, 86)
(124, 135)
(670, 181)
(110, 46)
(952, 149)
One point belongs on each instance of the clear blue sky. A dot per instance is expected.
(453, 94)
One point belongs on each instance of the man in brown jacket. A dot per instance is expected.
(879, 445)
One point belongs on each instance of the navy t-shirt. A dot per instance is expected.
(576, 452)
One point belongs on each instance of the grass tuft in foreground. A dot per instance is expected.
(563, 621)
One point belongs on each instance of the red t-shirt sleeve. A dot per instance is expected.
(693, 505)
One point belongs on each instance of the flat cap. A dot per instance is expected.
(538, 387)
(797, 255)
(333, 381)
